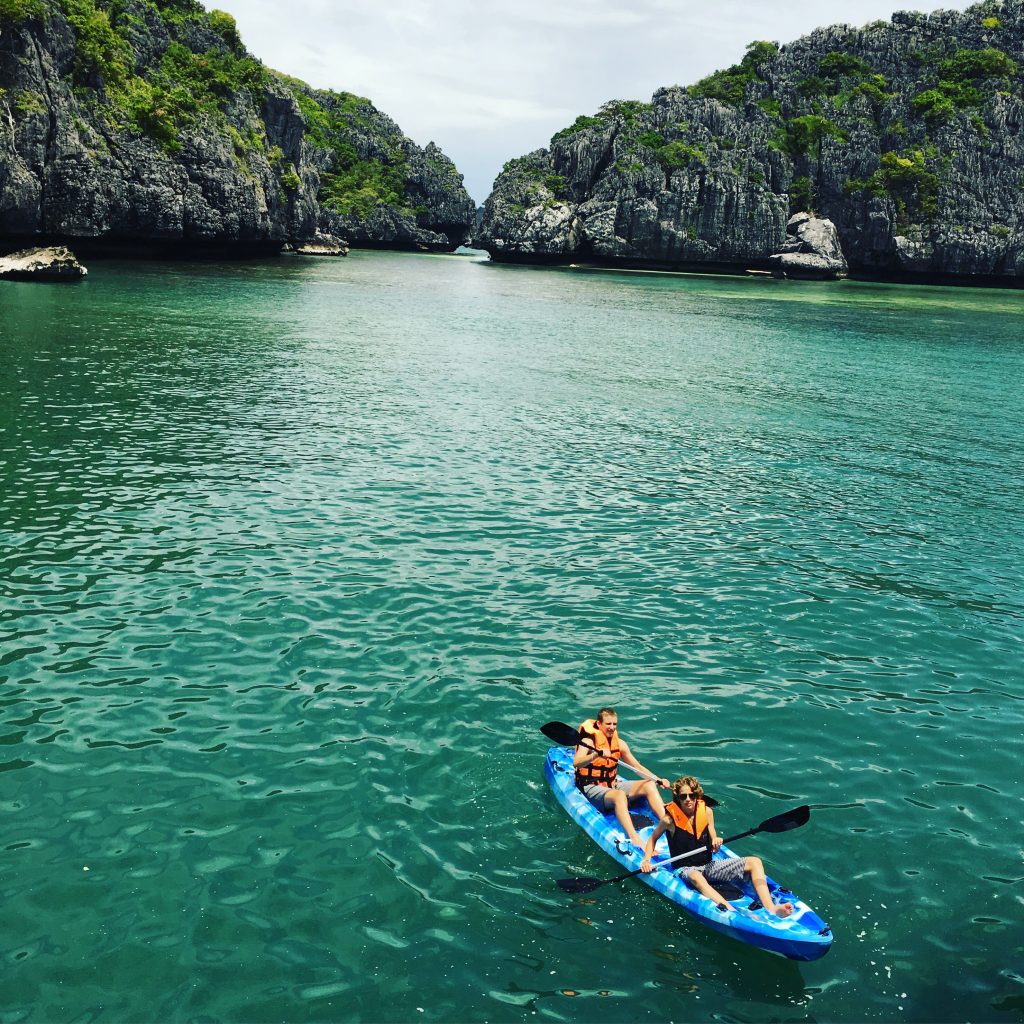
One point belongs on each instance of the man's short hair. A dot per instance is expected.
(606, 711)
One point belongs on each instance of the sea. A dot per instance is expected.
(297, 556)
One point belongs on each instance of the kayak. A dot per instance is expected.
(801, 936)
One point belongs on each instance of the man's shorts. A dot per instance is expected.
(731, 869)
(595, 793)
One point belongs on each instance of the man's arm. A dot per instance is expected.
(584, 756)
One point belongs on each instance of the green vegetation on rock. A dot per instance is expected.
(224, 25)
(581, 124)
(910, 181)
(966, 79)
(801, 195)
(802, 134)
(357, 182)
(675, 154)
(29, 102)
(813, 86)
(16, 12)
(730, 86)
(838, 64)
(102, 57)
(626, 110)
(183, 86)
(678, 154)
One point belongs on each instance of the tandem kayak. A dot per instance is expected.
(801, 936)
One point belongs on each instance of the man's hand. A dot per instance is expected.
(645, 866)
(716, 844)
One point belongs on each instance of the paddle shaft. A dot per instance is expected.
(683, 856)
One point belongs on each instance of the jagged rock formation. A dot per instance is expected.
(905, 134)
(322, 245)
(42, 264)
(145, 124)
(811, 250)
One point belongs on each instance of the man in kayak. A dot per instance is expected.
(690, 825)
(597, 773)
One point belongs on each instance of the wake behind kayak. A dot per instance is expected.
(801, 936)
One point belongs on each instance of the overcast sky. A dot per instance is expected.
(488, 82)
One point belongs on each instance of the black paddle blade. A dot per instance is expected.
(784, 822)
(582, 884)
(562, 734)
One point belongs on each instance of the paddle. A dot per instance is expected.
(779, 823)
(566, 736)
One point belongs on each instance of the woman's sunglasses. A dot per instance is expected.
(687, 796)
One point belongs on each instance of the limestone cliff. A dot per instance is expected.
(146, 124)
(905, 134)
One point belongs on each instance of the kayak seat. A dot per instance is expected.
(730, 891)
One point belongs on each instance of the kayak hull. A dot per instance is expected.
(801, 936)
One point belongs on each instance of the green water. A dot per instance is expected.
(297, 556)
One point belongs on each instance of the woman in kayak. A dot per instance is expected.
(690, 825)
(597, 773)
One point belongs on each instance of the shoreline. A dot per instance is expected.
(752, 270)
(175, 250)
(178, 251)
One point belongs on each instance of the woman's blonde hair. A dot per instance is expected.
(690, 782)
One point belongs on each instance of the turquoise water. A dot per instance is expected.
(297, 556)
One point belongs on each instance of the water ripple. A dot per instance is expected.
(296, 557)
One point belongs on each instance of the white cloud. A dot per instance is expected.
(490, 82)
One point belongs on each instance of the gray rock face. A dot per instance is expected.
(322, 245)
(57, 263)
(807, 265)
(98, 154)
(905, 136)
(811, 250)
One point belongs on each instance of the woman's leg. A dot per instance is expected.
(754, 868)
(705, 888)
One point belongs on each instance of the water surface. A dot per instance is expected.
(297, 556)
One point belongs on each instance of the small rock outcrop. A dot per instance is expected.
(55, 263)
(129, 125)
(322, 245)
(906, 135)
(811, 250)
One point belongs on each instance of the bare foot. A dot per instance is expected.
(782, 909)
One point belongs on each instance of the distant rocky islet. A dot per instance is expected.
(904, 137)
(142, 127)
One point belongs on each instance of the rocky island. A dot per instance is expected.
(904, 134)
(144, 126)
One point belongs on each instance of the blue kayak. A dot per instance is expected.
(801, 936)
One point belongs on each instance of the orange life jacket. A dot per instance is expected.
(602, 770)
(690, 834)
